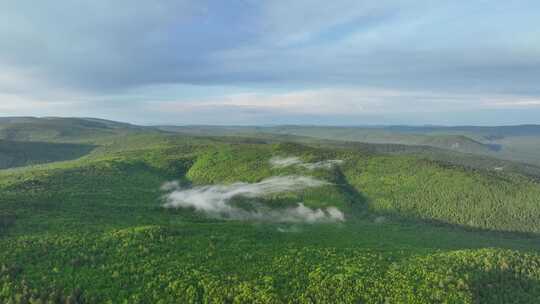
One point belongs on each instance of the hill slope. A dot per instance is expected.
(17, 154)
(517, 143)
(57, 129)
(94, 229)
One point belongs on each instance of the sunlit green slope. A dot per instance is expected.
(94, 230)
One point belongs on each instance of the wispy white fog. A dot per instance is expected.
(283, 162)
(325, 164)
(170, 186)
(292, 229)
(214, 200)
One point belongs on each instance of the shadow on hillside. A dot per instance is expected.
(504, 286)
(6, 221)
(359, 200)
(19, 154)
(407, 219)
(494, 147)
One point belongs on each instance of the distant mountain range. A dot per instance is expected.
(517, 143)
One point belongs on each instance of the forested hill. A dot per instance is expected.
(516, 143)
(138, 215)
(58, 129)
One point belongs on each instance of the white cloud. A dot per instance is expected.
(283, 162)
(13, 104)
(325, 164)
(522, 102)
(291, 22)
(351, 101)
(328, 58)
(214, 200)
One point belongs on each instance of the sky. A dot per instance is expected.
(257, 62)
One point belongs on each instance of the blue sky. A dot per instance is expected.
(272, 62)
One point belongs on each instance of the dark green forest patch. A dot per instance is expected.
(19, 154)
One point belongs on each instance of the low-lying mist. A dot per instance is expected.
(215, 200)
(283, 162)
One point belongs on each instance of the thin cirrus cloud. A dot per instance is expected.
(353, 101)
(271, 61)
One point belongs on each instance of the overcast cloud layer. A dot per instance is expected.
(261, 62)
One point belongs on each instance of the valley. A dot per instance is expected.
(362, 222)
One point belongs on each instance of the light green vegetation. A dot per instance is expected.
(455, 142)
(516, 143)
(417, 230)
